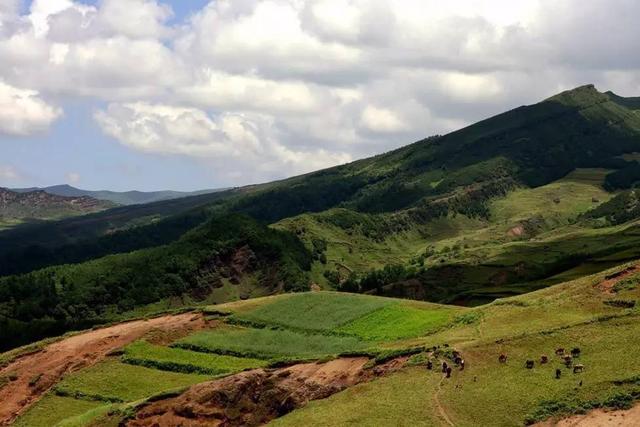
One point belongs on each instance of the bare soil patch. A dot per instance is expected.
(258, 396)
(37, 372)
(606, 286)
(599, 418)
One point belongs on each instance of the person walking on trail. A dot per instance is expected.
(444, 367)
(462, 364)
(449, 372)
(429, 365)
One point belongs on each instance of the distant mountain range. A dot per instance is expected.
(18, 207)
(120, 198)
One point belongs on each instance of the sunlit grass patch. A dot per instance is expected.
(113, 381)
(269, 343)
(317, 311)
(52, 409)
(397, 321)
(179, 360)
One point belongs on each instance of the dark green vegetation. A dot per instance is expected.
(221, 256)
(118, 197)
(508, 205)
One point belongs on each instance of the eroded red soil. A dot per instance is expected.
(255, 397)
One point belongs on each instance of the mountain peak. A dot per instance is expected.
(580, 96)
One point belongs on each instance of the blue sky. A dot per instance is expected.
(123, 94)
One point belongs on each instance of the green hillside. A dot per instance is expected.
(577, 314)
(514, 203)
(224, 259)
(458, 173)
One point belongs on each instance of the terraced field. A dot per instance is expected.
(601, 320)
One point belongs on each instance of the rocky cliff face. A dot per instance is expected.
(40, 205)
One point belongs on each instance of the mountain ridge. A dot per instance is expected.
(125, 198)
(40, 205)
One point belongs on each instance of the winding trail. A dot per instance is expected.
(441, 410)
(36, 373)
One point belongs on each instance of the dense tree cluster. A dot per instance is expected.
(52, 300)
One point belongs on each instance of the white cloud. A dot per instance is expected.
(382, 120)
(23, 112)
(72, 177)
(280, 86)
(9, 173)
(165, 129)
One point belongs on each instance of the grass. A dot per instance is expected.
(112, 381)
(487, 393)
(403, 399)
(52, 409)
(315, 311)
(398, 321)
(178, 360)
(505, 395)
(269, 343)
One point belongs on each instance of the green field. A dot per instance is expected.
(315, 311)
(179, 360)
(269, 343)
(112, 381)
(53, 409)
(397, 321)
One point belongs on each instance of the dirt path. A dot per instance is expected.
(439, 407)
(38, 372)
(255, 397)
(599, 418)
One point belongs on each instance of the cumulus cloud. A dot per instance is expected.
(283, 86)
(382, 120)
(9, 173)
(248, 139)
(72, 177)
(23, 112)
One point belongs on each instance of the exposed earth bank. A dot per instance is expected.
(599, 418)
(255, 397)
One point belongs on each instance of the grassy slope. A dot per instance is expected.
(567, 315)
(458, 172)
(532, 238)
(525, 327)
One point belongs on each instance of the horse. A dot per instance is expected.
(575, 352)
(544, 359)
(529, 364)
(560, 351)
(502, 358)
(578, 368)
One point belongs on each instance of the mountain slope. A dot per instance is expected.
(429, 221)
(118, 197)
(223, 259)
(371, 358)
(456, 173)
(39, 205)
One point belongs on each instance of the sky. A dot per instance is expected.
(192, 94)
